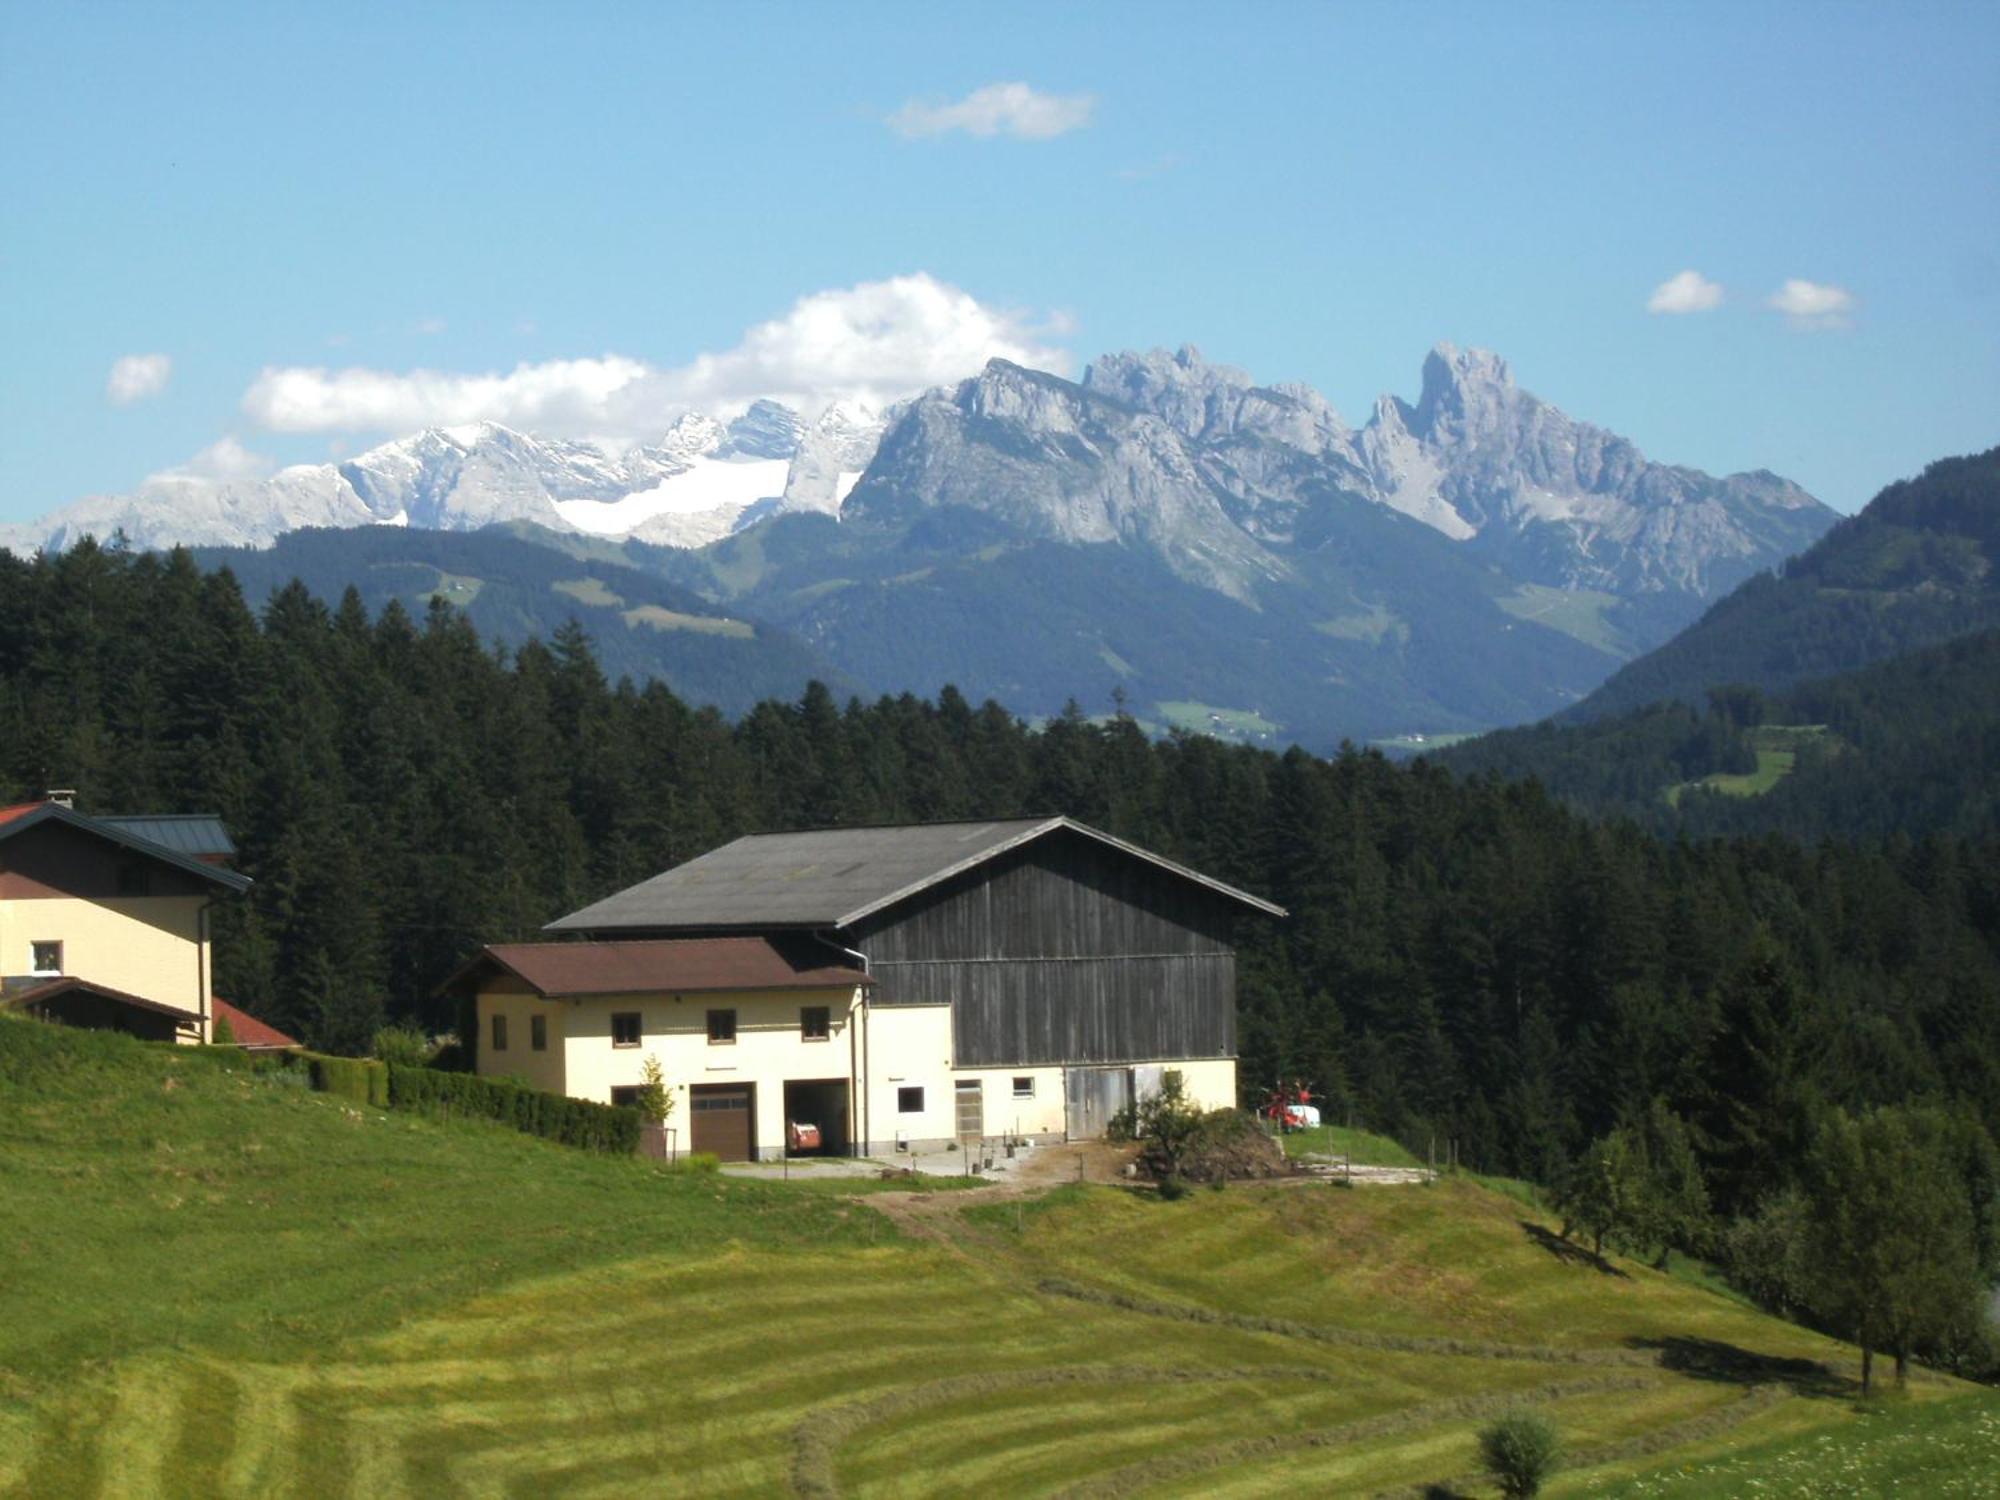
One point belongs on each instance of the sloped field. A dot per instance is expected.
(217, 1286)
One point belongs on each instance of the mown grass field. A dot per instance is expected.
(214, 1284)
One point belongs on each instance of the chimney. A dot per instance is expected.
(62, 796)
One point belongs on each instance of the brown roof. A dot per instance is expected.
(252, 1034)
(647, 966)
(70, 984)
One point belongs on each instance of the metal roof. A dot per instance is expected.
(199, 834)
(649, 966)
(832, 877)
(19, 819)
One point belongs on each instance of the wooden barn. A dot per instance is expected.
(1023, 977)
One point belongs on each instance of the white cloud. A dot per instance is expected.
(874, 343)
(1689, 292)
(223, 460)
(1809, 305)
(136, 377)
(1013, 109)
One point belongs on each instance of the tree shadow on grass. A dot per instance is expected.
(1711, 1359)
(1568, 1252)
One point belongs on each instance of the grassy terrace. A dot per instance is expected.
(215, 1284)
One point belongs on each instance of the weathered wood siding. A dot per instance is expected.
(1064, 952)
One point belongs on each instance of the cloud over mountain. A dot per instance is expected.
(872, 343)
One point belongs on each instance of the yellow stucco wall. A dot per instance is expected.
(149, 946)
(889, 1048)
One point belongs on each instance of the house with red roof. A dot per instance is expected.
(105, 921)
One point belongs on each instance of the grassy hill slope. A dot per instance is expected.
(214, 1283)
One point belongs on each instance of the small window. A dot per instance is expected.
(1024, 1087)
(625, 1028)
(499, 1033)
(1172, 1078)
(909, 1101)
(626, 1095)
(815, 1023)
(538, 1033)
(46, 958)
(721, 1027)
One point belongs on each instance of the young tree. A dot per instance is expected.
(654, 1101)
(1891, 1256)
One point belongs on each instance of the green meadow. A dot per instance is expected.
(216, 1283)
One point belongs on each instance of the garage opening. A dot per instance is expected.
(721, 1119)
(1091, 1097)
(816, 1117)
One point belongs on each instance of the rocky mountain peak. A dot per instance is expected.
(1465, 387)
(767, 429)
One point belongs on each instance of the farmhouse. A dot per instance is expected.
(891, 988)
(104, 922)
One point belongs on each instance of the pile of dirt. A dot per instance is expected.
(1229, 1146)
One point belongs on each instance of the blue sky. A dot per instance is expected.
(609, 194)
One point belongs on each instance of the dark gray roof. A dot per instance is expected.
(198, 834)
(831, 877)
(17, 820)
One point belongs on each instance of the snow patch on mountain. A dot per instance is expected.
(706, 485)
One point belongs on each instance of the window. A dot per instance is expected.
(1172, 1078)
(721, 1027)
(625, 1028)
(538, 1033)
(45, 958)
(909, 1101)
(626, 1095)
(815, 1023)
(499, 1033)
(1024, 1087)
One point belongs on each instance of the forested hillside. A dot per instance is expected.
(1915, 568)
(1907, 746)
(1463, 957)
(515, 585)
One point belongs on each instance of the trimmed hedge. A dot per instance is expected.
(360, 1079)
(555, 1117)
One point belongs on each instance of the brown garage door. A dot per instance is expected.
(720, 1122)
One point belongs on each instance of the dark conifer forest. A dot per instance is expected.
(1467, 959)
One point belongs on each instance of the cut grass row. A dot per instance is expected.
(216, 1285)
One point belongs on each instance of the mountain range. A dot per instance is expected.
(1217, 553)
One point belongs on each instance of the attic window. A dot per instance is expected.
(45, 958)
(625, 1028)
(815, 1023)
(721, 1027)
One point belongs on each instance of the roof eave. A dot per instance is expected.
(56, 812)
(1041, 830)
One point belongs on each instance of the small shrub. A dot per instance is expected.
(222, 1034)
(699, 1161)
(1519, 1451)
(1172, 1187)
(403, 1044)
(1123, 1127)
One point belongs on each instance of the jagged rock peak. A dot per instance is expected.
(767, 429)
